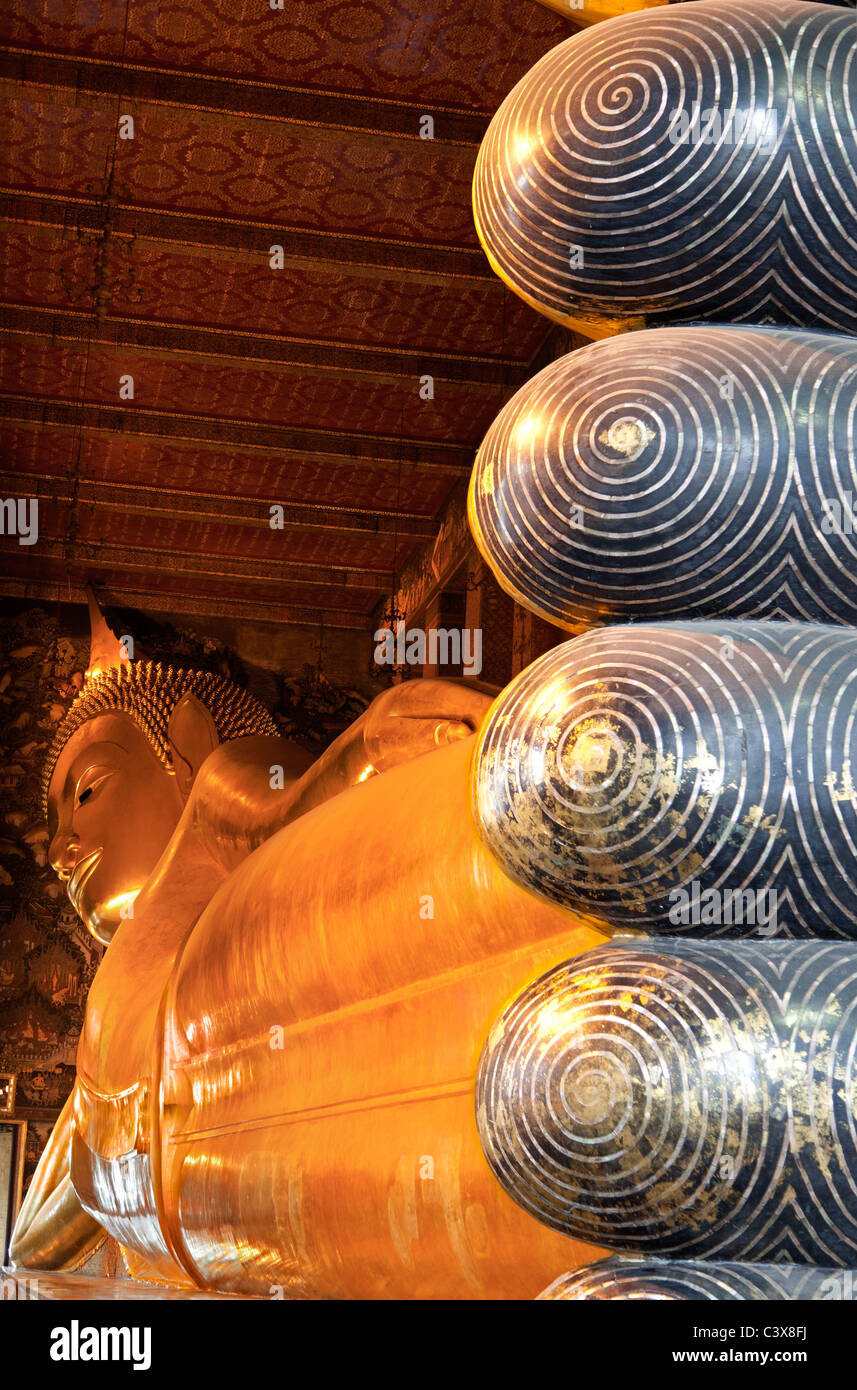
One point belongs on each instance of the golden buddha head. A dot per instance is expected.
(121, 768)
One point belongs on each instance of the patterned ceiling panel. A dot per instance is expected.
(172, 585)
(329, 303)
(227, 166)
(182, 384)
(219, 541)
(151, 468)
(433, 51)
(253, 127)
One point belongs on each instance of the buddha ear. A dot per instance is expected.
(192, 736)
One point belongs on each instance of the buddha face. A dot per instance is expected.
(112, 808)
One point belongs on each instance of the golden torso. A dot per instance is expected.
(306, 1046)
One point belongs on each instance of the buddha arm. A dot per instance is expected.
(52, 1230)
(401, 724)
(234, 807)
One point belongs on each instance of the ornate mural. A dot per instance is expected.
(47, 957)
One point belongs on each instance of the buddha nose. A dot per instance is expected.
(63, 853)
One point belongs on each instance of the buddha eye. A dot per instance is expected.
(85, 789)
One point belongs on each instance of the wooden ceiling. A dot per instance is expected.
(252, 127)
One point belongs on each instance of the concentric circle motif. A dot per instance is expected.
(677, 472)
(688, 1100)
(680, 164)
(694, 779)
(595, 11)
(698, 1280)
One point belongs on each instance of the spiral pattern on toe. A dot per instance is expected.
(699, 1281)
(677, 472)
(685, 1099)
(593, 202)
(596, 11)
(693, 779)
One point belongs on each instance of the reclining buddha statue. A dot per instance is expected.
(555, 993)
(275, 1074)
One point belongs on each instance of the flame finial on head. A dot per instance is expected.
(106, 650)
